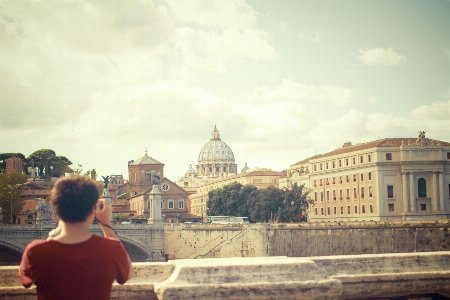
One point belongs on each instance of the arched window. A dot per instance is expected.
(422, 187)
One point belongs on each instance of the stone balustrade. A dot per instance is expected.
(366, 276)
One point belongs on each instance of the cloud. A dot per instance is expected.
(313, 36)
(380, 56)
(292, 90)
(282, 26)
(439, 110)
(372, 99)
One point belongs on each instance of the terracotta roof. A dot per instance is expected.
(146, 160)
(387, 142)
(263, 173)
(120, 202)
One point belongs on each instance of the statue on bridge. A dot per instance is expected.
(156, 177)
(45, 212)
(105, 180)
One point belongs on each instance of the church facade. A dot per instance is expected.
(386, 179)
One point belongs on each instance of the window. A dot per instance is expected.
(326, 165)
(390, 207)
(162, 203)
(355, 195)
(315, 168)
(135, 176)
(370, 191)
(328, 196)
(334, 210)
(342, 210)
(186, 183)
(334, 182)
(354, 160)
(362, 177)
(328, 211)
(181, 204)
(321, 210)
(340, 163)
(369, 159)
(449, 190)
(314, 183)
(361, 159)
(148, 204)
(315, 211)
(315, 196)
(320, 166)
(388, 156)
(348, 209)
(327, 182)
(346, 177)
(321, 196)
(340, 179)
(370, 175)
(362, 192)
(448, 155)
(423, 207)
(346, 161)
(363, 209)
(224, 169)
(340, 194)
(334, 164)
(217, 169)
(390, 191)
(354, 177)
(334, 194)
(422, 187)
(274, 181)
(320, 182)
(356, 209)
(348, 193)
(371, 208)
(210, 170)
(170, 204)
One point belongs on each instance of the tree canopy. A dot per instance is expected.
(11, 189)
(46, 159)
(271, 203)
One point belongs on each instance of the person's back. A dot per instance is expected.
(74, 263)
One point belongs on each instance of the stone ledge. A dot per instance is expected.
(326, 277)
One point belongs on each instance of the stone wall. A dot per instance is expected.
(183, 241)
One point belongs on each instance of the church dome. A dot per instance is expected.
(190, 171)
(215, 150)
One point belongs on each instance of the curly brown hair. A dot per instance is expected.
(74, 197)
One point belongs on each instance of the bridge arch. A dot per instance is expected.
(9, 254)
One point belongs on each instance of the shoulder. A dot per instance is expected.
(36, 243)
(107, 241)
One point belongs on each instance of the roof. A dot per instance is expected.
(146, 160)
(386, 142)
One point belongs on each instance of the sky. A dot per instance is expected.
(102, 81)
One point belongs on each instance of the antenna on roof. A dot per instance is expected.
(145, 151)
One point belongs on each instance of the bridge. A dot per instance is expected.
(142, 242)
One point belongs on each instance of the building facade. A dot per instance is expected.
(142, 172)
(392, 178)
(14, 164)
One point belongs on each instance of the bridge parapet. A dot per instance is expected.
(337, 277)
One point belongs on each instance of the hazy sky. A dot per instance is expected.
(100, 81)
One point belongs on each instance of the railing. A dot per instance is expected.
(381, 276)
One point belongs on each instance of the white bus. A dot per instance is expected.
(228, 220)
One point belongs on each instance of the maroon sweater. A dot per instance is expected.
(74, 271)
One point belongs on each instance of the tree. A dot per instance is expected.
(11, 189)
(265, 204)
(295, 205)
(59, 164)
(43, 158)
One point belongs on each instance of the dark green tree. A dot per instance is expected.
(59, 164)
(11, 189)
(43, 158)
(265, 204)
(295, 205)
(226, 201)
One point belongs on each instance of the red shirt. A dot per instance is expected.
(85, 270)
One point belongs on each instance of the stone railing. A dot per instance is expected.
(368, 276)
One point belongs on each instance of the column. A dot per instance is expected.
(411, 192)
(441, 192)
(434, 201)
(405, 192)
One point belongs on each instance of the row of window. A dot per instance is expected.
(327, 181)
(342, 162)
(363, 210)
(334, 196)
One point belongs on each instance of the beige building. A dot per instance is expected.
(391, 178)
(261, 178)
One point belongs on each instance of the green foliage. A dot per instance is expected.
(124, 196)
(290, 205)
(119, 218)
(47, 159)
(11, 189)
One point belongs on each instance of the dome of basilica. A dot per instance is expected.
(216, 158)
(215, 150)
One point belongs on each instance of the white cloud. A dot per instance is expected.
(313, 36)
(282, 26)
(380, 56)
(439, 110)
(372, 99)
(292, 90)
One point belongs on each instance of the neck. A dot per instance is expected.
(73, 233)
